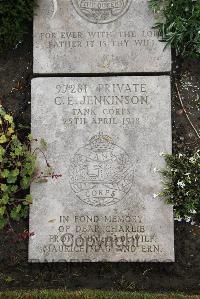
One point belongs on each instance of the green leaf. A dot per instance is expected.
(18, 151)
(12, 176)
(3, 187)
(3, 222)
(8, 118)
(17, 168)
(5, 173)
(2, 210)
(3, 139)
(15, 213)
(25, 182)
(8, 279)
(29, 199)
(14, 188)
(30, 137)
(4, 200)
(2, 111)
(24, 212)
(2, 152)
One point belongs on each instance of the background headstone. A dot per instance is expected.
(104, 137)
(93, 36)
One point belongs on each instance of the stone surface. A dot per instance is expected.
(104, 137)
(94, 36)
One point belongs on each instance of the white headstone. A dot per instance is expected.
(95, 36)
(104, 136)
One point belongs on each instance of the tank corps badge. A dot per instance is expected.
(101, 172)
(101, 11)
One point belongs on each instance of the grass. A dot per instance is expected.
(88, 294)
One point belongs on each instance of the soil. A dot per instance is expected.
(183, 275)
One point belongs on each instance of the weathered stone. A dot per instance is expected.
(94, 36)
(104, 137)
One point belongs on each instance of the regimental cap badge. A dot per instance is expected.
(101, 11)
(101, 172)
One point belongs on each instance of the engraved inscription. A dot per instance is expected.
(101, 172)
(101, 11)
(104, 146)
